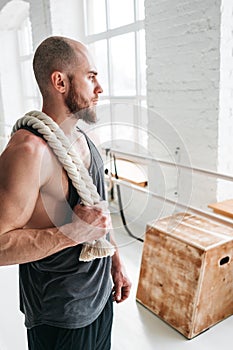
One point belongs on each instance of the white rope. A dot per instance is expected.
(75, 169)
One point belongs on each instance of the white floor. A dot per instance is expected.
(134, 328)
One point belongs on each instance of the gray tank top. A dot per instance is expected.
(60, 290)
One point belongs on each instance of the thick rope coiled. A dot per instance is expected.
(75, 169)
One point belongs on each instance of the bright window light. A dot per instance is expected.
(99, 52)
(96, 16)
(122, 51)
(121, 12)
(116, 37)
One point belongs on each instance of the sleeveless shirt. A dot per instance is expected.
(60, 290)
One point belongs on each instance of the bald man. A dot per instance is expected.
(67, 303)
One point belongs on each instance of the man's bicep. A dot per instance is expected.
(19, 186)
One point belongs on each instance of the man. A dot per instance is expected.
(67, 303)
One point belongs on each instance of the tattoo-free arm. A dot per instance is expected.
(20, 182)
(121, 282)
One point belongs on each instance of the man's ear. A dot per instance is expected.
(58, 81)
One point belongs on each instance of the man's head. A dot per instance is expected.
(64, 69)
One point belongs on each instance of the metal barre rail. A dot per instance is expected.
(145, 159)
(209, 215)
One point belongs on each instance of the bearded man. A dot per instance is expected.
(67, 303)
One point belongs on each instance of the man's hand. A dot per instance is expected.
(89, 223)
(122, 284)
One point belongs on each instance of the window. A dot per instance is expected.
(114, 31)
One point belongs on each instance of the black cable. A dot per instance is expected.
(121, 206)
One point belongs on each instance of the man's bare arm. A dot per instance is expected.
(121, 282)
(25, 245)
(20, 182)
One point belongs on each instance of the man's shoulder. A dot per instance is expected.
(26, 152)
(26, 145)
(24, 148)
(25, 138)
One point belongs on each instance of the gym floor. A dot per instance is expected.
(136, 328)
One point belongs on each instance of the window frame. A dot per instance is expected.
(138, 99)
(134, 27)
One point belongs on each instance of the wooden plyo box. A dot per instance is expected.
(186, 275)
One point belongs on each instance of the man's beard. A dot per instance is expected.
(79, 106)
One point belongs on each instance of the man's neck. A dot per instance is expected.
(65, 120)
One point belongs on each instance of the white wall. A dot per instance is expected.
(225, 122)
(40, 16)
(10, 73)
(183, 57)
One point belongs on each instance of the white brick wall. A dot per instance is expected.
(183, 46)
(225, 144)
(40, 17)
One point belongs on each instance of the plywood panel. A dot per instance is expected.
(224, 208)
(186, 275)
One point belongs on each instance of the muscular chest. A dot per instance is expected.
(81, 147)
(52, 205)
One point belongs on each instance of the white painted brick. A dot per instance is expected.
(183, 58)
(225, 126)
(41, 20)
